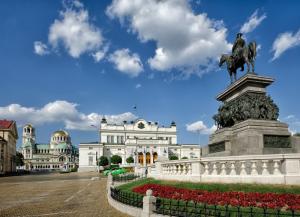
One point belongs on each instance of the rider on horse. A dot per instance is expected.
(237, 47)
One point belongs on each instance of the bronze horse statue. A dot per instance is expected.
(246, 55)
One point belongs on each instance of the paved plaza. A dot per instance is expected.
(72, 194)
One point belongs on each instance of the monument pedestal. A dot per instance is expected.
(247, 122)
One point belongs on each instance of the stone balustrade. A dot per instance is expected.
(271, 169)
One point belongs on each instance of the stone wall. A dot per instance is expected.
(267, 169)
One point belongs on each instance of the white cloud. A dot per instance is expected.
(74, 31)
(137, 86)
(184, 40)
(289, 117)
(59, 112)
(126, 62)
(40, 48)
(200, 127)
(285, 41)
(252, 22)
(98, 56)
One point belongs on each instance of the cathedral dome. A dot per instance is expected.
(60, 136)
(60, 133)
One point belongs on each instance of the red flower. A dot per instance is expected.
(253, 199)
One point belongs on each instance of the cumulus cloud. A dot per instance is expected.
(74, 32)
(184, 40)
(40, 48)
(253, 21)
(200, 127)
(126, 62)
(59, 112)
(285, 41)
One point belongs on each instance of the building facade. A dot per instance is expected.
(8, 141)
(56, 155)
(146, 142)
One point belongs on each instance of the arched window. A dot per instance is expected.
(148, 158)
(141, 158)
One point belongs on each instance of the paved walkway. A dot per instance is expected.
(68, 195)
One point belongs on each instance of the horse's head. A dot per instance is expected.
(222, 59)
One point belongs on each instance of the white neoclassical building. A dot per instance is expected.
(58, 154)
(146, 142)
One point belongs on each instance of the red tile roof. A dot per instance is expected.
(5, 124)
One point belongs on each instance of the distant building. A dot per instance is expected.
(8, 141)
(146, 142)
(58, 154)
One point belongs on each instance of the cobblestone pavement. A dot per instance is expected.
(72, 194)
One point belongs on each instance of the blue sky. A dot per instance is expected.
(65, 64)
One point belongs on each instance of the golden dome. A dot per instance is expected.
(60, 133)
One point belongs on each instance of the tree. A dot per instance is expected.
(103, 161)
(173, 157)
(130, 160)
(116, 159)
(19, 159)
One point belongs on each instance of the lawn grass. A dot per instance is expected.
(261, 188)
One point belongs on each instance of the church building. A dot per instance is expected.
(146, 142)
(58, 154)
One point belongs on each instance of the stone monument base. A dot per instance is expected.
(252, 137)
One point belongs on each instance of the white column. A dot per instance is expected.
(185, 169)
(276, 167)
(253, 168)
(151, 157)
(223, 169)
(206, 172)
(265, 167)
(144, 159)
(243, 168)
(232, 168)
(214, 172)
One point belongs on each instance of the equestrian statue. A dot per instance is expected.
(241, 54)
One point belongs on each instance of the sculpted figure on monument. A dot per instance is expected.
(241, 54)
(248, 106)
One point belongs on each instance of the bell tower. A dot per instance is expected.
(28, 135)
(28, 142)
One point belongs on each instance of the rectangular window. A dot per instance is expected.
(90, 160)
(90, 148)
(112, 139)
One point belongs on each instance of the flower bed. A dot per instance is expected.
(249, 199)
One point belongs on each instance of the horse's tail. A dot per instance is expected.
(252, 48)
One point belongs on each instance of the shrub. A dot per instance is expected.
(19, 159)
(116, 159)
(173, 157)
(184, 158)
(73, 169)
(103, 161)
(130, 160)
